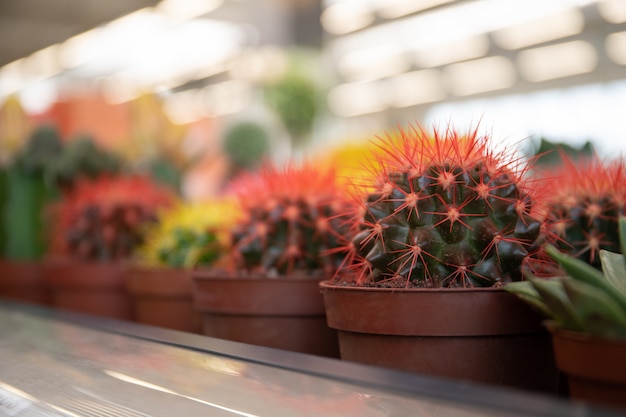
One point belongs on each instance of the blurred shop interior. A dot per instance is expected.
(172, 78)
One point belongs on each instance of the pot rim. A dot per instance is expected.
(582, 336)
(327, 285)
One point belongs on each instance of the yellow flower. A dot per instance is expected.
(189, 234)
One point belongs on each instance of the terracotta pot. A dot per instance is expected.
(285, 313)
(23, 281)
(595, 367)
(481, 335)
(95, 288)
(162, 297)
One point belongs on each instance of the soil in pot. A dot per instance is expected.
(480, 335)
(283, 312)
(162, 297)
(95, 288)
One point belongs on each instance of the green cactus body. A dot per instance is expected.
(586, 201)
(290, 221)
(102, 219)
(447, 212)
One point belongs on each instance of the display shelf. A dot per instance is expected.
(67, 364)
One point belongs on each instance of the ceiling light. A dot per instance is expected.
(347, 16)
(565, 23)
(616, 47)
(460, 50)
(480, 75)
(613, 11)
(373, 63)
(187, 9)
(392, 9)
(557, 61)
(417, 87)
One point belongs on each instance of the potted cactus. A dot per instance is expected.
(585, 199)
(586, 311)
(186, 236)
(96, 228)
(448, 222)
(281, 248)
(27, 192)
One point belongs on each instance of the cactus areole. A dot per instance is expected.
(447, 211)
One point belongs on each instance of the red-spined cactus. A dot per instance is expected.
(585, 200)
(290, 220)
(101, 219)
(448, 210)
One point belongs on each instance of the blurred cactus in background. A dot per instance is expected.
(28, 192)
(189, 234)
(15, 127)
(585, 201)
(550, 153)
(246, 144)
(82, 158)
(102, 219)
(295, 99)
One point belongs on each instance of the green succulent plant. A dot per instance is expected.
(585, 299)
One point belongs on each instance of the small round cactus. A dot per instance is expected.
(448, 210)
(585, 201)
(101, 219)
(290, 221)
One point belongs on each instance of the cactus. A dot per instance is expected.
(447, 211)
(189, 234)
(585, 201)
(27, 193)
(82, 157)
(101, 219)
(290, 220)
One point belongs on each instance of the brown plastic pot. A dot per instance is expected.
(284, 312)
(23, 281)
(595, 367)
(482, 335)
(162, 297)
(95, 288)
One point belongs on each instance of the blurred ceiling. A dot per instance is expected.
(27, 26)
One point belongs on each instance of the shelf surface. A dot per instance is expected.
(65, 364)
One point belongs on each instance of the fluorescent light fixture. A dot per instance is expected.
(417, 87)
(565, 23)
(187, 9)
(43, 63)
(373, 63)
(616, 47)
(459, 50)
(557, 61)
(354, 99)
(12, 77)
(78, 50)
(613, 11)
(480, 75)
(346, 16)
(392, 9)
(441, 26)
